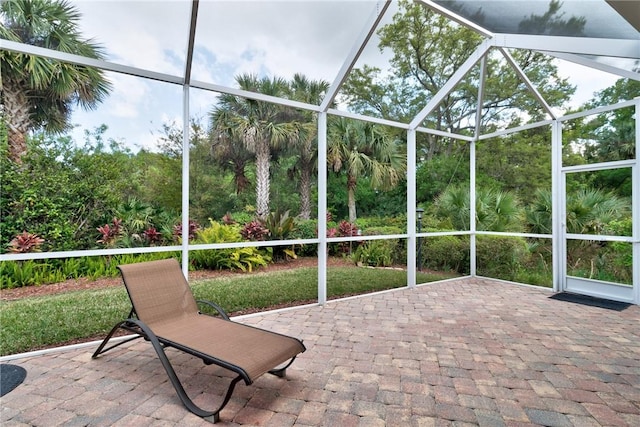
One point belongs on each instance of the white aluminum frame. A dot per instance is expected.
(566, 48)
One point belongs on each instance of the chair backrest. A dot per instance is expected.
(158, 291)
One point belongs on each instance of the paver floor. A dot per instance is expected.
(456, 353)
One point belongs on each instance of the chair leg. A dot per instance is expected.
(101, 348)
(175, 381)
(282, 372)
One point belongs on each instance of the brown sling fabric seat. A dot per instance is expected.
(165, 313)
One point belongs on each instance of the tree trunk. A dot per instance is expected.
(351, 191)
(242, 182)
(16, 111)
(305, 193)
(263, 159)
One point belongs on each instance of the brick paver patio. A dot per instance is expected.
(457, 353)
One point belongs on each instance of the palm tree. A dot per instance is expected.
(359, 149)
(261, 126)
(39, 93)
(496, 210)
(306, 144)
(232, 155)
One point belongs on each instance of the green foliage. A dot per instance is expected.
(501, 257)
(495, 210)
(245, 259)
(306, 229)
(17, 274)
(39, 92)
(398, 222)
(279, 224)
(376, 253)
(445, 253)
(382, 230)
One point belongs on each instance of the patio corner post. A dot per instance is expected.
(411, 208)
(322, 208)
(557, 236)
(185, 137)
(473, 255)
(635, 214)
(185, 182)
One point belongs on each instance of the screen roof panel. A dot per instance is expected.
(275, 39)
(147, 35)
(578, 18)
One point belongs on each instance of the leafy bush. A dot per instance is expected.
(254, 231)
(245, 259)
(382, 230)
(16, 274)
(280, 226)
(399, 222)
(25, 242)
(376, 253)
(501, 257)
(445, 253)
(306, 229)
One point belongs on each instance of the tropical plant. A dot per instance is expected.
(376, 253)
(280, 226)
(357, 148)
(25, 242)
(495, 210)
(109, 233)
(254, 230)
(589, 211)
(262, 127)
(38, 92)
(245, 259)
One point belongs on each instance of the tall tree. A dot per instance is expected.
(305, 144)
(39, 93)
(357, 148)
(261, 126)
(427, 49)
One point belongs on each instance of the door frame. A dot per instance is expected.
(563, 282)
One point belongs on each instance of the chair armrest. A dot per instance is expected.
(215, 306)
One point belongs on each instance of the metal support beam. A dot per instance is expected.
(322, 208)
(411, 208)
(457, 76)
(527, 82)
(350, 61)
(191, 42)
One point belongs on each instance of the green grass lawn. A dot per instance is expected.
(46, 321)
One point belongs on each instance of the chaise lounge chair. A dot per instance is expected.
(165, 313)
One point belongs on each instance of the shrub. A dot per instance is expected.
(445, 253)
(399, 221)
(254, 231)
(376, 253)
(501, 257)
(245, 259)
(382, 230)
(25, 242)
(306, 229)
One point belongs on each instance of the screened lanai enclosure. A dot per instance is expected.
(480, 138)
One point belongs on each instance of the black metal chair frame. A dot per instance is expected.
(141, 330)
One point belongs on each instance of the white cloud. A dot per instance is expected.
(145, 34)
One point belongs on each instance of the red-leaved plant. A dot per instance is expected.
(110, 233)
(177, 230)
(254, 231)
(152, 236)
(25, 242)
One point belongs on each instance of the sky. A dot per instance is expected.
(233, 37)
